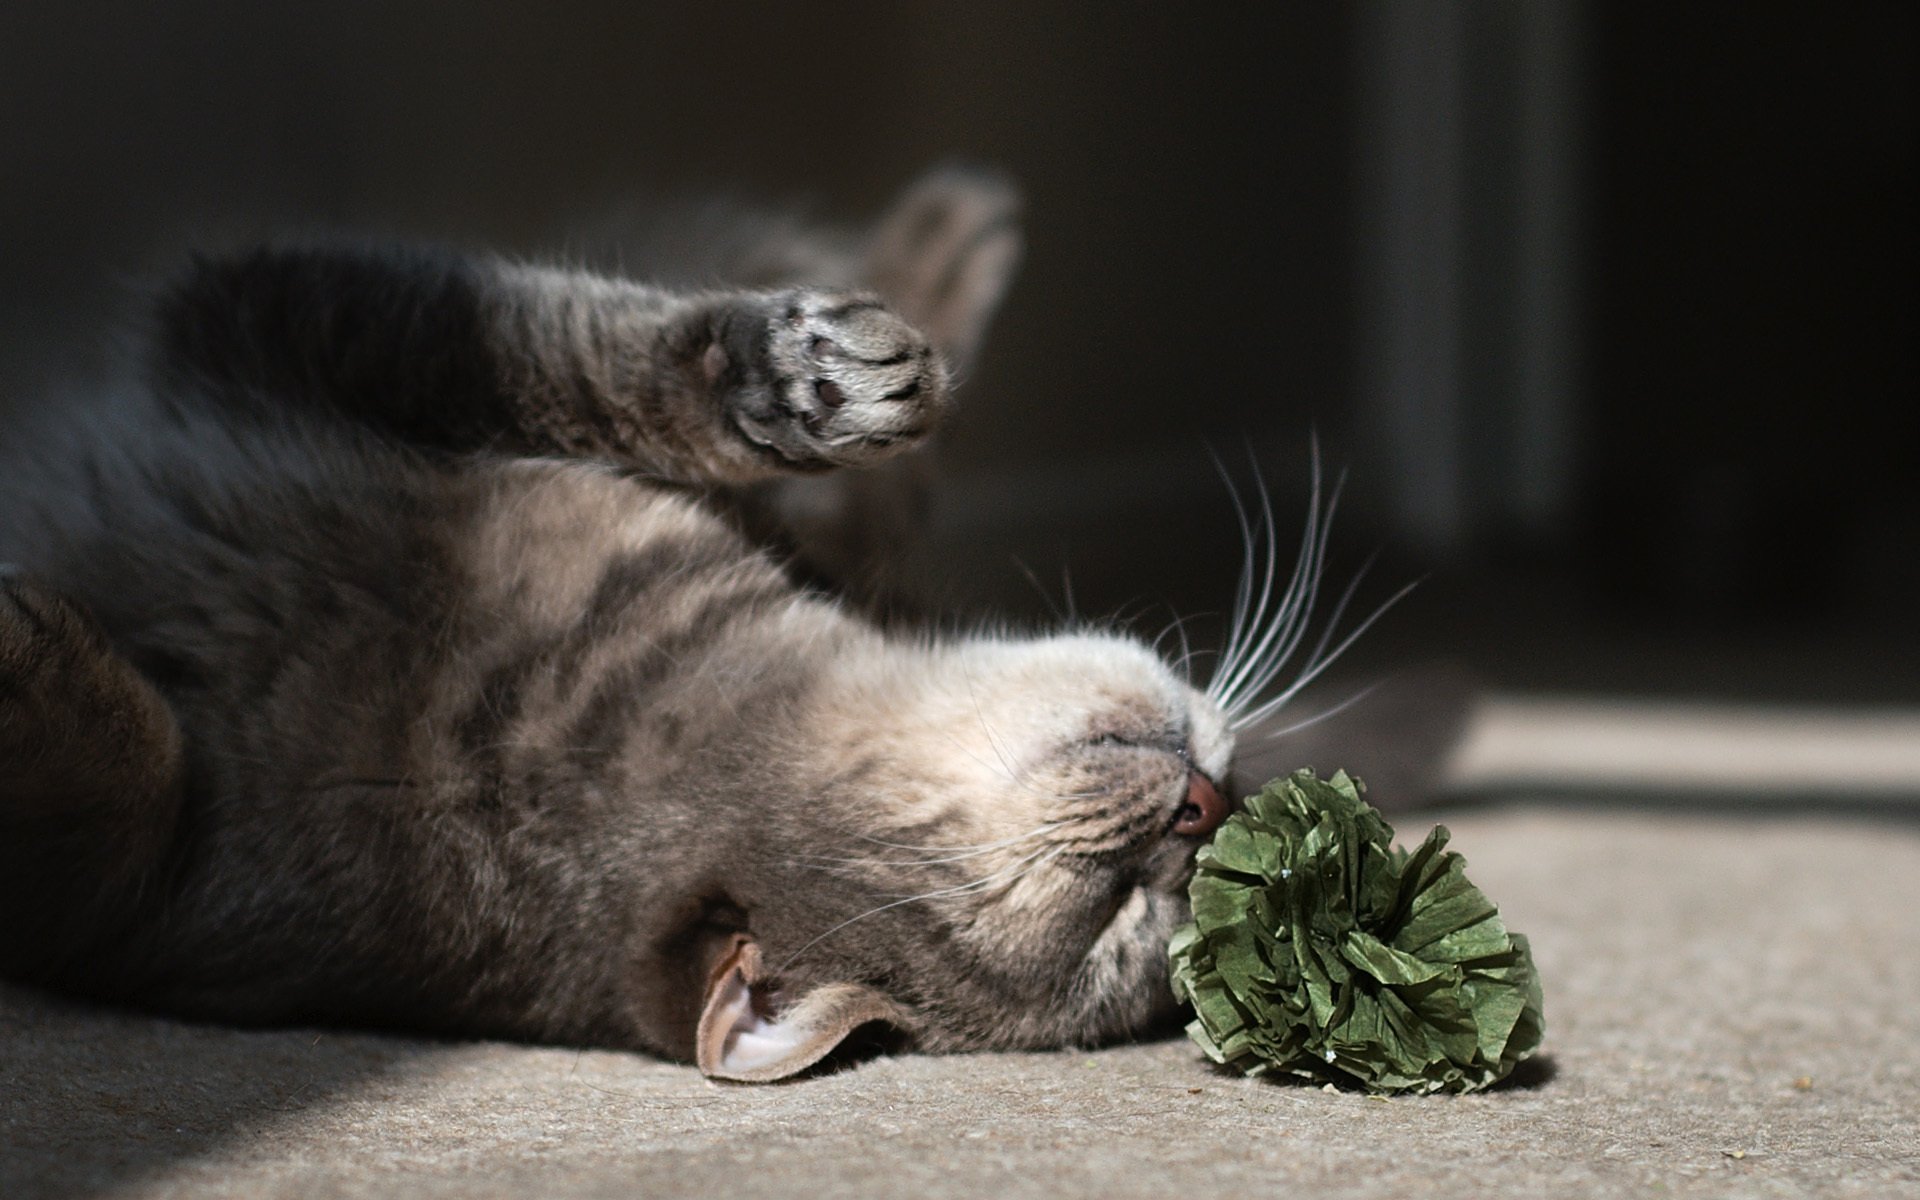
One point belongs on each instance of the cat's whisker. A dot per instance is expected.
(1329, 714)
(1020, 780)
(1284, 636)
(1243, 587)
(1263, 630)
(1314, 669)
(1265, 633)
(1246, 615)
(557, 747)
(1049, 827)
(1340, 608)
(960, 853)
(1006, 771)
(1004, 876)
(1013, 774)
(993, 741)
(1183, 664)
(1258, 665)
(1038, 859)
(1178, 625)
(1045, 597)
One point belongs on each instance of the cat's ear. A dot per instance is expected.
(748, 1033)
(944, 255)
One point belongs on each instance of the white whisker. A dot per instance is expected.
(1006, 876)
(1179, 626)
(1246, 654)
(957, 853)
(993, 742)
(1181, 664)
(1266, 632)
(1330, 713)
(1313, 670)
(1031, 863)
(1289, 628)
(1263, 658)
(1243, 588)
(1013, 774)
(1045, 597)
(1340, 608)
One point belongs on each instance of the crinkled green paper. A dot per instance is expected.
(1320, 949)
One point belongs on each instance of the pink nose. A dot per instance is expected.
(1204, 810)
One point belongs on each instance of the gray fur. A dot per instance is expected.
(415, 670)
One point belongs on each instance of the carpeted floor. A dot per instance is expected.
(1733, 1009)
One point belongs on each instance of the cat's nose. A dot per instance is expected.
(1204, 810)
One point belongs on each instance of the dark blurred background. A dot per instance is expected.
(1608, 308)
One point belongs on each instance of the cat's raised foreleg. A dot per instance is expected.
(480, 354)
(817, 379)
(90, 784)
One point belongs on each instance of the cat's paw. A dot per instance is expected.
(824, 378)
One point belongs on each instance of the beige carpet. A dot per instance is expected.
(1733, 1009)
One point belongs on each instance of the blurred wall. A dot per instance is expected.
(1609, 308)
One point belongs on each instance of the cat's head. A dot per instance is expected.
(985, 843)
(993, 855)
(993, 839)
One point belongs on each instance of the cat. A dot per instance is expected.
(409, 651)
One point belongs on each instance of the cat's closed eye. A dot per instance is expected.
(1166, 741)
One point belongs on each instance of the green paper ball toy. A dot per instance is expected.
(1319, 949)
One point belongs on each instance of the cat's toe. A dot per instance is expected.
(843, 381)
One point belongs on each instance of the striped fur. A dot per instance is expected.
(447, 696)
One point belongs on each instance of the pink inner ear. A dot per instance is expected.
(737, 1040)
(728, 1004)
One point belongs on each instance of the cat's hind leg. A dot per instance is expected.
(90, 783)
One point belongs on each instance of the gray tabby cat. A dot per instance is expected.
(397, 658)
